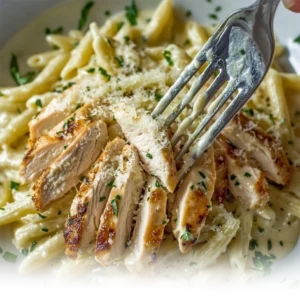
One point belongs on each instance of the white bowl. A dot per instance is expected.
(16, 14)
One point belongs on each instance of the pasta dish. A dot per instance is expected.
(87, 173)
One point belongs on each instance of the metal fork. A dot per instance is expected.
(241, 51)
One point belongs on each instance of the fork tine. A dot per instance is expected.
(211, 91)
(211, 112)
(185, 76)
(196, 86)
(215, 129)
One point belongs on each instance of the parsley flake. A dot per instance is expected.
(10, 257)
(131, 13)
(149, 155)
(38, 102)
(168, 57)
(104, 73)
(187, 235)
(114, 207)
(14, 185)
(59, 29)
(15, 74)
(85, 14)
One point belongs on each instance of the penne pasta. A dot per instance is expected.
(44, 252)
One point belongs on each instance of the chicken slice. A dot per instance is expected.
(48, 147)
(149, 229)
(63, 173)
(246, 183)
(116, 220)
(268, 153)
(89, 204)
(151, 141)
(221, 185)
(57, 110)
(193, 201)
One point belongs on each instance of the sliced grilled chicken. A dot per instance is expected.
(268, 153)
(48, 147)
(89, 204)
(149, 229)
(193, 201)
(151, 141)
(246, 183)
(116, 220)
(57, 110)
(221, 185)
(63, 173)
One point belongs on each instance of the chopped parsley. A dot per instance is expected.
(126, 39)
(281, 243)
(111, 184)
(192, 187)
(232, 177)
(1, 95)
(10, 257)
(120, 60)
(187, 235)
(59, 29)
(158, 184)
(164, 222)
(120, 25)
(104, 73)
(269, 245)
(38, 102)
(102, 199)
(188, 13)
(157, 96)
(242, 51)
(91, 285)
(63, 88)
(249, 112)
(91, 70)
(2, 208)
(187, 42)
(237, 183)
(204, 186)
(59, 212)
(202, 174)
(247, 174)
(294, 286)
(85, 14)
(67, 124)
(213, 16)
(218, 8)
(263, 263)
(297, 39)
(107, 13)
(253, 244)
(260, 229)
(131, 13)
(33, 246)
(149, 155)
(114, 206)
(15, 73)
(45, 229)
(42, 216)
(168, 57)
(283, 281)
(14, 185)
(25, 252)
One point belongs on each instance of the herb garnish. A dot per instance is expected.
(67, 123)
(263, 263)
(25, 252)
(65, 87)
(157, 184)
(167, 56)
(42, 216)
(59, 29)
(10, 257)
(14, 185)
(202, 174)
(104, 73)
(218, 8)
(107, 13)
(297, 39)
(33, 246)
(120, 60)
(213, 16)
(91, 70)
(114, 206)
(192, 187)
(253, 244)
(269, 245)
(188, 13)
(242, 51)
(149, 155)
(232, 177)
(247, 174)
(111, 184)
(15, 74)
(84, 14)
(102, 199)
(187, 235)
(126, 39)
(45, 229)
(157, 96)
(131, 13)
(38, 102)
(120, 25)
